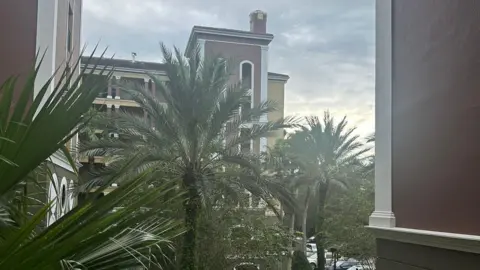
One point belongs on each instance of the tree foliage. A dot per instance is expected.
(328, 153)
(192, 136)
(347, 215)
(90, 236)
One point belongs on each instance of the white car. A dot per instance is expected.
(312, 255)
(359, 267)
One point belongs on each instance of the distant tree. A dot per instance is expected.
(328, 153)
(347, 214)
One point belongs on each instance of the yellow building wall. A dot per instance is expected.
(276, 92)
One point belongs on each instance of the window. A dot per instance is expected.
(246, 77)
(70, 29)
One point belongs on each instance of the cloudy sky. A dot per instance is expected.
(326, 46)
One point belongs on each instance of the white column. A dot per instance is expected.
(383, 215)
(109, 88)
(146, 80)
(263, 144)
(201, 45)
(264, 80)
(264, 91)
(117, 88)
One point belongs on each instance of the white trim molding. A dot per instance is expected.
(444, 240)
(264, 79)
(201, 45)
(383, 215)
(263, 144)
(278, 77)
(54, 44)
(58, 158)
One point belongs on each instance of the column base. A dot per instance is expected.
(109, 96)
(384, 219)
(117, 97)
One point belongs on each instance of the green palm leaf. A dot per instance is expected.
(90, 236)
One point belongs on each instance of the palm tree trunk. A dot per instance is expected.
(289, 220)
(304, 221)
(319, 233)
(191, 207)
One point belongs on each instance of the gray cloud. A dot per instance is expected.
(326, 46)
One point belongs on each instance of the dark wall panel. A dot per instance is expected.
(436, 115)
(237, 53)
(18, 29)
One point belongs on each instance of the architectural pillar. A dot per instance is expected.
(117, 87)
(264, 92)
(109, 89)
(154, 89)
(383, 215)
(264, 80)
(146, 80)
(201, 46)
(263, 144)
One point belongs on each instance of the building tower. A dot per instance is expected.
(248, 53)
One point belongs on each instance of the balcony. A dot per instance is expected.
(116, 102)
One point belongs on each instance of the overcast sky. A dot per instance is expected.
(325, 46)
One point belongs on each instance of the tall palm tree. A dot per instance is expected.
(327, 153)
(281, 168)
(192, 135)
(90, 236)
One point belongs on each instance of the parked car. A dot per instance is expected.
(360, 267)
(312, 255)
(344, 265)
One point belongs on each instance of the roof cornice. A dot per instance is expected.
(226, 33)
(278, 77)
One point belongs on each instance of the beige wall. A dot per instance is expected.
(276, 92)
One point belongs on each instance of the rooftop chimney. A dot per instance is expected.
(258, 22)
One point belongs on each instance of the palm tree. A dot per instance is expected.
(327, 153)
(193, 136)
(90, 236)
(281, 168)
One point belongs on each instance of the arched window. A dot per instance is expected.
(247, 78)
(247, 74)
